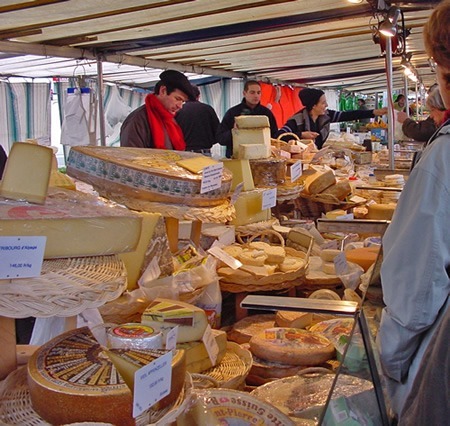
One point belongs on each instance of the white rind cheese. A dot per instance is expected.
(251, 121)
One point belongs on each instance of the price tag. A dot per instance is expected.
(341, 264)
(210, 344)
(269, 199)
(217, 252)
(296, 171)
(171, 338)
(211, 178)
(152, 383)
(21, 257)
(237, 192)
(357, 199)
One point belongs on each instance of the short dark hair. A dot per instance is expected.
(361, 100)
(195, 91)
(248, 83)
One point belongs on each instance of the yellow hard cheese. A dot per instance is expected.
(249, 136)
(165, 314)
(248, 208)
(27, 173)
(241, 173)
(196, 164)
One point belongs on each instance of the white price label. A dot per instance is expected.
(269, 199)
(21, 257)
(171, 338)
(211, 178)
(152, 383)
(210, 344)
(296, 171)
(217, 252)
(341, 264)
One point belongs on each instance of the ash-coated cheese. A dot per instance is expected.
(165, 314)
(27, 173)
(75, 224)
(293, 346)
(72, 379)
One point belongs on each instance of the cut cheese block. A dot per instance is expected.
(380, 211)
(143, 174)
(197, 358)
(75, 224)
(321, 178)
(248, 208)
(27, 173)
(251, 121)
(72, 379)
(339, 190)
(61, 180)
(293, 319)
(165, 314)
(253, 151)
(244, 329)
(293, 346)
(364, 256)
(335, 214)
(268, 172)
(259, 136)
(197, 164)
(134, 336)
(241, 173)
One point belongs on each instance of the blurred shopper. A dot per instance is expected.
(153, 124)
(400, 103)
(199, 123)
(250, 105)
(313, 121)
(415, 273)
(363, 107)
(422, 131)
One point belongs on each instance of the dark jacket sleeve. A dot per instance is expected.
(135, 130)
(290, 127)
(273, 125)
(224, 136)
(337, 116)
(419, 130)
(3, 158)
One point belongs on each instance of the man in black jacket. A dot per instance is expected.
(250, 105)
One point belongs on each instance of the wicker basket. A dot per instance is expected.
(230, 373)
(276, 281)
(66, 287)
(16, 407)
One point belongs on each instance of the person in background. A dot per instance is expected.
(415, 274)
(199, 123)
(422, 131)
(363, 107)
(313, 121)
(153, 124)
(250, 105)
(400, 103)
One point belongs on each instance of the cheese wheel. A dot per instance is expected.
(243, 330)
(291, 346)
(136, 336)
(364, 256)
(322, 178)
(72, 379)
(293, 319)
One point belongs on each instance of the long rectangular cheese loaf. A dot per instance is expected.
(144, 174)
(75, 224)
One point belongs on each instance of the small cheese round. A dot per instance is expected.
(132, 335)
(328, 255)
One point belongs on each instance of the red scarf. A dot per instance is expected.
(447, 115)
(159, 119)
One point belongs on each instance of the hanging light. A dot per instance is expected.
(389, 26)
(355, 1)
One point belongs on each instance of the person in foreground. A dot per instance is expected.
(422, 131)
(313, 121)
(199, 123)
(415, 273)
(153, 124)
(250, 105)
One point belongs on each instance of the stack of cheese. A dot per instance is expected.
(251, 137)
(164, 314)
(259, 259)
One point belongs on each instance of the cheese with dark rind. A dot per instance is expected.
(293, 346)
(72, 379)
(75, 224)
(144, 174)
(321, 178)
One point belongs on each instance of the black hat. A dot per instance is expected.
(310, 97)
(177, 80)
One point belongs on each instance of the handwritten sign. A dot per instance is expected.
(296, 171)
(269, 199)
(21, 257)
(211, 178)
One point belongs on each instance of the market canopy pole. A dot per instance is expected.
(391, 117)
(101, 111)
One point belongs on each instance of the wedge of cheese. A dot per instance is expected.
(165, 314)
(27, 173)
(196, 164)
(241, 173)
(75, 224)
(321, 178)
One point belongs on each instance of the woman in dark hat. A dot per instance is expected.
(153, 124)
(313, 121)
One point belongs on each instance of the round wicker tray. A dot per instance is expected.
(230, 373)
(16, 407)
(66, 287)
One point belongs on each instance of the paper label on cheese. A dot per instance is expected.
(341, 264)
(170, 312)
(211, 178)
(171, 338)
(133, 331)
(269, 199)
(220, 254)
(296, 171)
(210, 344)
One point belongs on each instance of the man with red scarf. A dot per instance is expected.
(153, 124)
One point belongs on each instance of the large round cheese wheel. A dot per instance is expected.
(292, 346)
(293, 319)
(244, 329)
(72, 379)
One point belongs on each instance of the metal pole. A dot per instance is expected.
(101, 112)
(391, 116)
(417, 100)
(405, 88)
